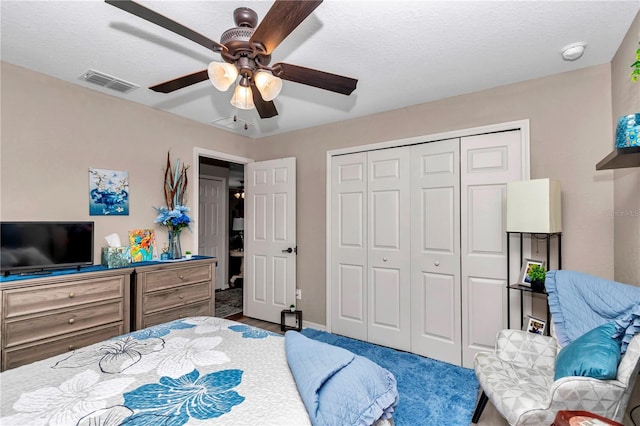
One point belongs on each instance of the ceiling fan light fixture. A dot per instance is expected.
(242, 97)
(222, 75)
(268, 85)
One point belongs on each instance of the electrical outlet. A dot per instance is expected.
(298, 294)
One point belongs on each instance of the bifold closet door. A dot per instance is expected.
(418, 244)
(435, 251)
(370, 247)
(487, 162)
(389, 248)
(349, 245)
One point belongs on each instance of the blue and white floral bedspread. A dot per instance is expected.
(192, 371)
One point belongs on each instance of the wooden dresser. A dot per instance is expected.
(46, 316)
(168, 291)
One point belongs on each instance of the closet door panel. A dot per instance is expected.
(488, 162)
(435, 250)
(389, 248)
(386, 297)
(482, 322)
(349, 245)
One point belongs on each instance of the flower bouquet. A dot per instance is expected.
(174, 215)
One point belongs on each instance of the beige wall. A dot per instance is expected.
(570, 117)
(53, 132)
(626, 207)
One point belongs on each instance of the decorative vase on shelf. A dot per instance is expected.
(175, 251)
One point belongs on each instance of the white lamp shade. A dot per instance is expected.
(268, 85)
(534, 206)
(242, 98)
(238, 224)
(222, 75)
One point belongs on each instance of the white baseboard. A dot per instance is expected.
(307, 324)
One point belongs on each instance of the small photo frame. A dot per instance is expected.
(524, 272)
(536, 325)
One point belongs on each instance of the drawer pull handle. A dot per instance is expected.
(72, 295)
(181, 297)
(71, 321)
(71, 347)
(181, 277)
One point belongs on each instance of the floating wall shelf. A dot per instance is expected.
(621, 158)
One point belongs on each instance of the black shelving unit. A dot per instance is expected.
(525, 289)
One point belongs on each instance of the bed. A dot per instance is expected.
(199, 370)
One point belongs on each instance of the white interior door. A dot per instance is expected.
(270, 238)
(349, 245)
(389, 248)
(212, 231)
(488, 162)
(435, 250)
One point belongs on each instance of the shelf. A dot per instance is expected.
(620, 158)
(525, 288)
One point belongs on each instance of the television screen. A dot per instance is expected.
(38, 246)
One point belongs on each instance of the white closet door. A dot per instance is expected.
(435, 251)
(389, 253)
(488, 162)
(349, 245)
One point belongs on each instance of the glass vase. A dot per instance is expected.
(175, 251)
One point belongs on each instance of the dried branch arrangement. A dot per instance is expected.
(175, 183)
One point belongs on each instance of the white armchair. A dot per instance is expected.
(518, 378)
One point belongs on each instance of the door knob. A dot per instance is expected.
(384, 259)
(288, 250)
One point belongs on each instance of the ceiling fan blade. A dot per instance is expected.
(171, 25)
(266, 109)
(320, 79)
(283, 17)
(180, 82)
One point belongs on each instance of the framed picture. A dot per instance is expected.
(524, 273)
(108, 192)
(142, 243)
(536, 325)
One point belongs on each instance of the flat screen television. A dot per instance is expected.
(31, 247)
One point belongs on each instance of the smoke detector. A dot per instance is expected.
(573, 51)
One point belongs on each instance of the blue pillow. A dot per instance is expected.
(594, 354)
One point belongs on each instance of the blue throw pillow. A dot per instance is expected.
(594, 354)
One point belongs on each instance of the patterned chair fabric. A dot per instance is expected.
(518, 379)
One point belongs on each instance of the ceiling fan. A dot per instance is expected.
(246, 50)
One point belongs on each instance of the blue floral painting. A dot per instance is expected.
(108, 193)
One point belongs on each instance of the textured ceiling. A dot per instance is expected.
(403, 52)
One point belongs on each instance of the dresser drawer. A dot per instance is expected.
(31, 300)
(22, 355)
(174, 277)
(195, 310)
(44, 326)
(179, 296)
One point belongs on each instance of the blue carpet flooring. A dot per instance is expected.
(431, 392)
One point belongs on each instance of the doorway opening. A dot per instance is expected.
(221, 227)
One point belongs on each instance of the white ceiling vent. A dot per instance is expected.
(233, 123)
(104, 80)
